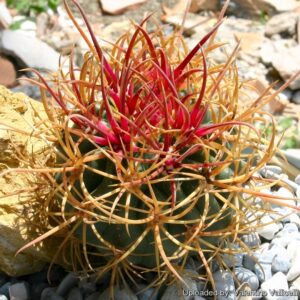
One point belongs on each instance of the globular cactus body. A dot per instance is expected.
(153, 154)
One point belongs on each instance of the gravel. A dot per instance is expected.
(272, 272)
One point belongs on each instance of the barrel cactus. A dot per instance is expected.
(156, 159)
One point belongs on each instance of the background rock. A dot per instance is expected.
(282, 23)
(8, 73)
(28, 51)
(19, 221)
(118, 6)
(287, 63)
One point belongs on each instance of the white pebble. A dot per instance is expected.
(268, 231)
(297, 179)
(277, 282)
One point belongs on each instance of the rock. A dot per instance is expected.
(270, 168)
(17, 112)
(293, 249)
(281, 261)
(224, 285)
(293, 155)
(267, 231)
(3, 279)
(68, 283)
(281, 264)
(192, 21)
(295, 219)
(8, 73)
(50, 294)
(33, 53)
(179, 291)
(19, 291)
(285, 240)
(233, 259)
(296, 283)
(74, 294)
(4, 289)
(87, 286)
(287, 229)
(94, 296)
(195, 6)
(262, 269)
(143, 292)
(275, 6)
(42, 20)
(37, 289)
(296, 99)
(271, 48)
(246, 276)
(284, 23)
(275, 283)
(119, 294)
(5, 17)
(118, 6)
(252, 240)
(287, 63)
(297, 179)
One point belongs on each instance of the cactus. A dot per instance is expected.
(156, 159)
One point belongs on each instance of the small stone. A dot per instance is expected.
(31, 91)
(252, 240)
(50, 294)
(270, 48)
(287, 63)
(282, 23)
(176, 292)
(295, 219)
(4, 289)
(87, 286)
(3, 279)
(297, 179)
(19, 291)
(33, 53)
(249, 262)
(275, 283)
(8, 73)
(192, 20)
(144, 293)
(234, 259)
(293, 250)
(281, 261)
(119, 294)
(262, 269)
(94, 296)
(68, 283)
(5, 17)
(287, 229)
(224, 285)
(74, 294)
(117, 7)
(275, 6)
(37, 289)
(296, 283)
(286, 239)
(272, 169)
(267, 231)
(296, 99)
(246, 276)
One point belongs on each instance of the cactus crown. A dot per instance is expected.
(153, 151)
